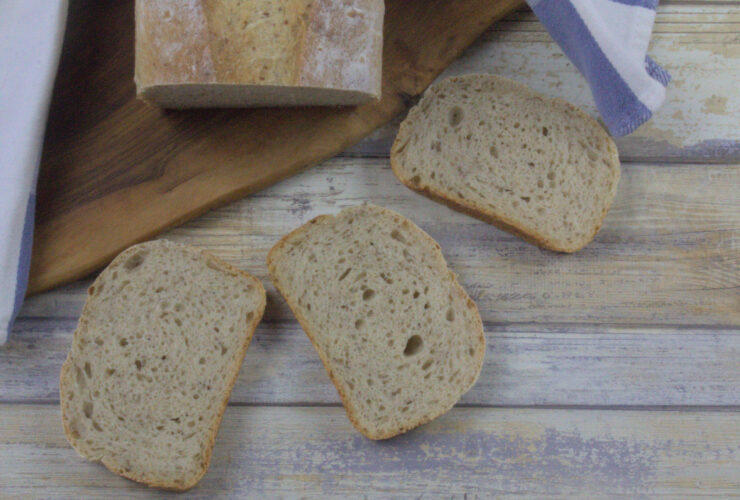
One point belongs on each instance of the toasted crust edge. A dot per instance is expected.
(345, 398)
(216, 423)
(497, 219)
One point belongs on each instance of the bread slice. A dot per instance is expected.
(156, 353)
(490, 147)
(241, 53)
(397, 334)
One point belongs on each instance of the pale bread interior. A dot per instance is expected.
(490, 146)
(158, 347)
(400, 338)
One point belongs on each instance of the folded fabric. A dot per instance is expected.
(31, 34)
(607, 40)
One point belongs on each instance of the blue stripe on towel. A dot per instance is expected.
(657, 72)
(648, 4)
(620, 108)
(24, 262)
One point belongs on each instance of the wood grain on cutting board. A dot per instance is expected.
(116, 171)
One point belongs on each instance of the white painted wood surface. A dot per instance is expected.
(668, 253)
(612, 372)
(553, 366)
(264, 452)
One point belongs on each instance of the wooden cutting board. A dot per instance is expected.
(115, 171)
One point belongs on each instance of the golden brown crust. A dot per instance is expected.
(500, 221)
(346, 401)
(281, 47)
(215, 425)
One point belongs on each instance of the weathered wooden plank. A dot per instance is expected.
(566, 366)
(697, 43)
(668, 253)
(481, 453)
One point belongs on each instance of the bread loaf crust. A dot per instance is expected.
(216, 53)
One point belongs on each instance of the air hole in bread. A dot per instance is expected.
(450, 316)
(87, 409)
(525, 198)
(345, 273)
(413, 345)
(396, 235)
(134, 261)
(359, 323)
(368, 294)
(428, 363)
(80, 378)
(123, 342)
(544, 131)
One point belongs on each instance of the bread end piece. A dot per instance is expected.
(234, 53)
(490, 147)
(400, 351)
(156, 353)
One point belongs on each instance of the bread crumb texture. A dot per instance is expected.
(158, 347)
(399, 337)
(491, 147)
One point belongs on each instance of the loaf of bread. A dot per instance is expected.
(242, 53)
(153, 360)
(539, 168)
(397, 334)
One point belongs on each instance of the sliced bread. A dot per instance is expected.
(397, 334)
(488, 146)
(158, 347)
(242, 53)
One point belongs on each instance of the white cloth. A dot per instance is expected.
(31, 34)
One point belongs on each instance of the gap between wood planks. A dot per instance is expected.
(309, 404)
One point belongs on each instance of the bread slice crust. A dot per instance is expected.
(346, 398)
(66, 374)
(499, 218)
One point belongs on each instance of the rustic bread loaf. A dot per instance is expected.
(240, 53)
(156, 353)
(539, 168)
(399, 337)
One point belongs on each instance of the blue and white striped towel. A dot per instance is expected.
(31, 33)
(606, 39)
